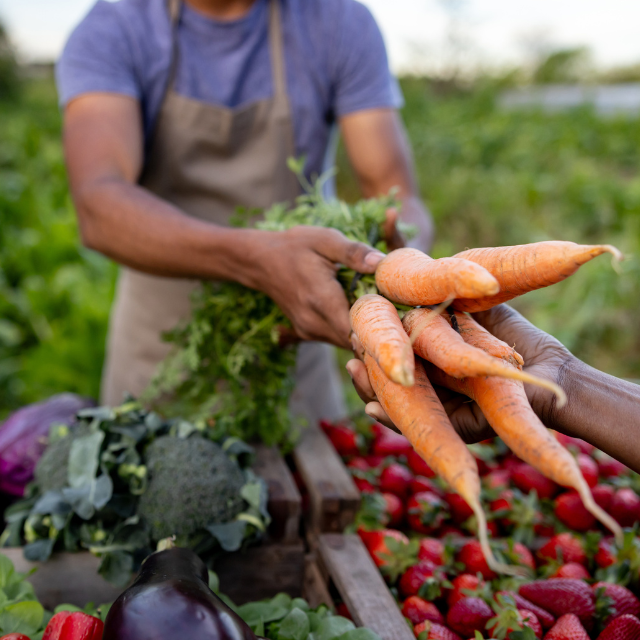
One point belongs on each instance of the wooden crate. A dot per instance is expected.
(333, 497)
(342, 562)
(258, 572)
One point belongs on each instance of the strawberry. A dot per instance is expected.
(432, 549)
(625, 507)
(471, 556)
(343, 610)
(344, 439)
(374, 461)
(359, 463)
(528, 479)
(544, 617)
(603, 495)
(462, 585)
(378, 430)
(418, 465)
(460, 510)
(395, 479)
(377, 543)
(391, 444)
(589, 468)
(469, 615)
(562, 595)
(572, 570)
(575, 444)
(419, 610)
(425, 512)
(568, 627)
(565, 545)
(53, 630)
(75, 624)
(450, 530)
(497, 479)
(363, 485)
(510, 462)
(610, 467)
(626, 627)
(623, 600)
(502, 504)
(420, 483)
(428, 630)
(604, 556)
(519, 554)
(493, 528)
(571, 512)
(414, 577)
(509, 620)
(394, 509)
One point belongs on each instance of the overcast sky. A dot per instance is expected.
(493, 31)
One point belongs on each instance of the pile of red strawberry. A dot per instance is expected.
(581, 585)
(449, 593)
(383, 462)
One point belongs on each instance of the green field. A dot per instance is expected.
(490, 178)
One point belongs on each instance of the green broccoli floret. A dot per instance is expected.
(51, 471)
(192, 484)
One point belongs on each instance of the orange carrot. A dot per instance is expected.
(523, 268)
(411, 277)
(377, 325)
(420, 416)
(505, 405)
(476, 335)
(440, 344)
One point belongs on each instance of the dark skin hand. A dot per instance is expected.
(103, 143)
(601, 409)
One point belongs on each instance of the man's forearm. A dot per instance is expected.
(137, 229)
(414, 212)
(602, 410)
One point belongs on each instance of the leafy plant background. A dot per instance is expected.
(491, 177)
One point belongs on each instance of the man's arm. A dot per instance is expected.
(103, 143)
(380, 154)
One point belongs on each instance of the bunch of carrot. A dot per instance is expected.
(467, 358)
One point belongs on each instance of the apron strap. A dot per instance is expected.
(276, 41)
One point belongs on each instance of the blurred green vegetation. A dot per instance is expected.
(490, 177)
(54, 296)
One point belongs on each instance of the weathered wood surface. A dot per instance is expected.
(361, 586)
(334, 498)
(285, 502)
(258, 572)
(315, 589)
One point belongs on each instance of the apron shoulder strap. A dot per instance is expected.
(276, 41)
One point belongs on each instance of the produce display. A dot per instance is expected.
(118, 480)
(577, 581)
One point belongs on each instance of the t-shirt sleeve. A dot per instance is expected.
(362, 79)
(97, 57)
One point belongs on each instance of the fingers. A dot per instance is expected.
(354, 255)
(360, 378)
(390, 231)
(375, 411)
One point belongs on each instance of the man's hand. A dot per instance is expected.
(297, 269)
(543, 355)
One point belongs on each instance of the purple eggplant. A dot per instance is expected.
(171, 599)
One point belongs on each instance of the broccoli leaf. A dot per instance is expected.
(229, 534)
(39, 550)
(84, 459)
(116, 567)
(52, 502)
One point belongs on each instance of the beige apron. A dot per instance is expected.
(207, 160)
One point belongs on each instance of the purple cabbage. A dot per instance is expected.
(23, 437)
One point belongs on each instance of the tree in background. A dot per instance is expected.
(9, 79)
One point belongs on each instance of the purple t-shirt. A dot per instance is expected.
(335, 61)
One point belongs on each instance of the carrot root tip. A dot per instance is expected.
(600, 514)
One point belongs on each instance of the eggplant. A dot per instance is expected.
(171, 600)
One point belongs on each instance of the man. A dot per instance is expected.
(176, 112)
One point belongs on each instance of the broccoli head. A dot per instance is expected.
(51, 471)
(192, 484)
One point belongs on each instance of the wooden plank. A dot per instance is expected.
(262, 572)
(315, 589)
(258, 572)
(334, 498)
(362, 587)
(285, 503)
(66, 578)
